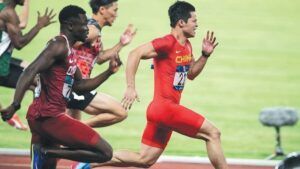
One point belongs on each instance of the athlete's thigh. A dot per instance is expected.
(43, 140)
(184, 120)
(104, 103)
(70, 132)
(156, 135)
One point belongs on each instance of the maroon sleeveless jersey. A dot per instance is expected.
(54, 88)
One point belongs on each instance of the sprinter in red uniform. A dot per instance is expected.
(49, 124)
(107, 109)
(173, 65)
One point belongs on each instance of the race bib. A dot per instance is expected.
(180, 77)
(38, 88)
(67, 88)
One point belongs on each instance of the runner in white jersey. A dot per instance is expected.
(12, 68)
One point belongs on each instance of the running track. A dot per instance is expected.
(9, 161)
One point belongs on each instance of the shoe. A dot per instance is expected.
(37, 157)
(80, 165)
(17, 123)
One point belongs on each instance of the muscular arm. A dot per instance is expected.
(208, 45)
(14, 31)
(83, 85)
(125, 39)
(107, 54)
(145, 51)
(54, 51)
(196, 67)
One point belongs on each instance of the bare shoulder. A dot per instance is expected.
(58, 46)
(8, 16)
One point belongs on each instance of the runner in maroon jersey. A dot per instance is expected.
(107, 109)
(173, 64)
(49, 124)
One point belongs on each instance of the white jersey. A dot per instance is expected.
(4, 42)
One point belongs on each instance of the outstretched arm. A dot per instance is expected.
(145, 51)
(83, 85)
(125, 39)
(208, 45)
(14, 31)
(52, 52)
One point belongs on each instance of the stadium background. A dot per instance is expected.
(256, 65)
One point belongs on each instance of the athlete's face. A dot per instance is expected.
(80, 28)
(189, 28)
(110, 13)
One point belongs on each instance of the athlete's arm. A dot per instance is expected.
(14, 31)
(125, 39)
(82, 85)
(208, 45)
(145, 51)
(56, 50)
(196, 67)
(23, 16)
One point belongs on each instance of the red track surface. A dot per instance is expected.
(23, 162)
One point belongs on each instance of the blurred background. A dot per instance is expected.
(255, 65)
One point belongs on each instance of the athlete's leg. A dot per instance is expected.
(147, 156)
(100, 152)
(191, 124)
(106, 111)
(81, 142)
(212, 136)
(154, 141)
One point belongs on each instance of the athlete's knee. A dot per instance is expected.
(108, 154)
(105, 150)
(122, 115)
(214, 134)
(102, 156)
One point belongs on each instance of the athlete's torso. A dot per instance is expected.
(170, 67)
(87, 53)
(54, 88)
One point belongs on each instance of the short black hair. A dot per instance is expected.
(96, 4)
(180, 10)
(69, 12)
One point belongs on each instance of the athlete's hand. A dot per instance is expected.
(115, 63)
(209, 43)
(7, 113)
(46, 19)
(129, 97)
(128, 35)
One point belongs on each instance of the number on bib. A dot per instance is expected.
(180, 77)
